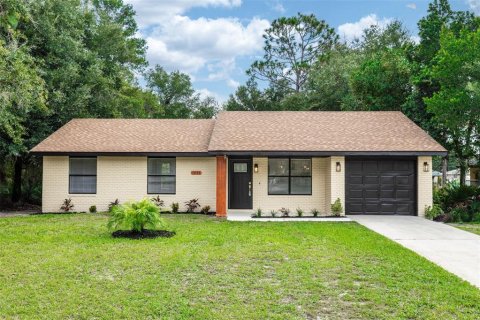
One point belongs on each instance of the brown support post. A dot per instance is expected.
(221, 186)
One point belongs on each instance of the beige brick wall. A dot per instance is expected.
(336, 182)
(125, 178)
(424, 185)
(266, 202)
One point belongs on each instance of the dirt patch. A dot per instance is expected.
(145, 234)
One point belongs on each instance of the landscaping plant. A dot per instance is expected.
(135, 216)
(314, 212)
(192, 205)
(92, 209)
(113, 204)
(273, 213)
(433, 211)
(67, 205)
(337, 208)
(285, 212)
(159, 202)
(257, 213)
(175, 206)
(205, 209)
(299, 212)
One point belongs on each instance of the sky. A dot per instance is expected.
(216, 41)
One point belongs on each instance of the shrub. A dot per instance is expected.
(257, 213)
(337, 208)
(452, 194)
(299, 212)
(273, 213)
(192, 205)
(458, 214)
(92, 209)
(175, 206)
(205, 210)
(158, 202)
(285, 212)
(433, 211)
(314, 212)
(67, 205)
(135, 216)
(113, 204)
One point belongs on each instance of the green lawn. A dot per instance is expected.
(68, 266)
(473, 227)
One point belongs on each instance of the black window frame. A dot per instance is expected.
(163, 175)
(82, 175)
(289, 176)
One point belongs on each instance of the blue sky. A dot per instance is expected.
(215, 41)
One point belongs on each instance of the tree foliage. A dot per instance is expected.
(456, 105)
(292, 45)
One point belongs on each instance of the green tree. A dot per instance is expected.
(382, 82)
(456, 105)
(292, 45)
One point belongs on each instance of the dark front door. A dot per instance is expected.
(380, 186)
(240, 183)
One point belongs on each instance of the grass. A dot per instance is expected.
(69, 266)
(473, 227)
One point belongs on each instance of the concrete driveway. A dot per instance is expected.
(453, 249)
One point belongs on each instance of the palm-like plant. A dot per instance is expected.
(135, 216)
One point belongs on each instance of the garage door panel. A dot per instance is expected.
(371, 180)
(380, 186)
(387, 194)
(387, 180)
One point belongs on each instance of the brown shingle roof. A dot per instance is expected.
(319, 131)
(237, 131)
(130, 135)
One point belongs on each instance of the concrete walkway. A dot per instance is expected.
(453, 249)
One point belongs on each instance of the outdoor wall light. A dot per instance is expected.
(339, 167)
(425, 166)
(255, 167)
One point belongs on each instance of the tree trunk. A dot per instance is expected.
(17, 180)
(444, 170)
(463, 171)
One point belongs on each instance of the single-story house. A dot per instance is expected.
(374, 162)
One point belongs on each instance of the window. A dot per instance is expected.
(289, 176)
(83, 175)
(161, 175)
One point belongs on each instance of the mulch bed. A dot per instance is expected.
(145, 234)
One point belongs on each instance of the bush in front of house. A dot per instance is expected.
(433, 211)
(273, 213)
(132, 219)
(158, 202)
(192, 205)
(175, 206)
(285, 212)
(458, 203)
(337, 208)
(67, 205)
(92, 209)
(113, 204)
(299, 212)
(257, 213)
(314, 212)
(205, 209)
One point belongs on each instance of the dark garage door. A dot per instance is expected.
(380, 186)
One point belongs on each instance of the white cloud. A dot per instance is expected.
(412, 6)
(205, 93)
(151, 12)
(353, 30)
(205, 48)
(474, 6)
(190, 44)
